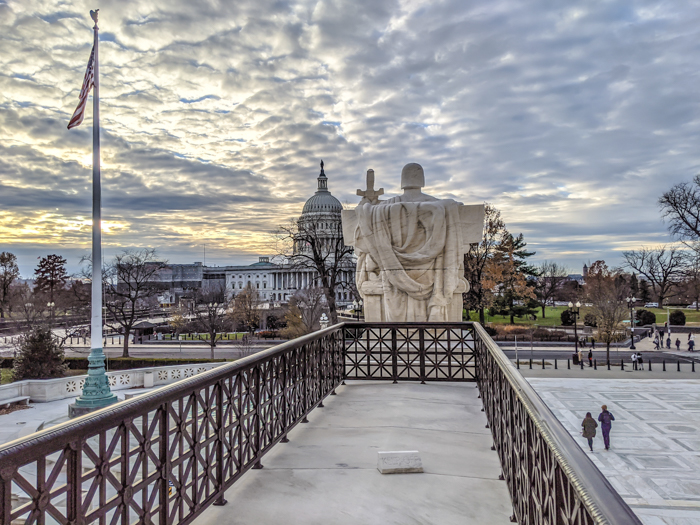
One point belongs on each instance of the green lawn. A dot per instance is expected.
(553, 316)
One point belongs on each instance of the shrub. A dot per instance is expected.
(645, 317)
(268, 334)
(567, 318)
(590, 320)
(542, 334)
(39, 356)
(677, 318)
(491, 330)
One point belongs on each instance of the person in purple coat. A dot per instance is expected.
(606, 418)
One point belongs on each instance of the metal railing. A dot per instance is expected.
(410, 351)
(167, 455)
(550, 478)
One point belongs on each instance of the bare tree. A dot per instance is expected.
(662, 266)
(318, 245)
(210, 314)
(132, 283)
(245, 311)
(607, 290)
(480, 297)
(305, 309)
(9, 273)
(680, 206)
(550, 278)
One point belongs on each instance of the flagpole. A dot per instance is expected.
(96, 319)
(96, 393)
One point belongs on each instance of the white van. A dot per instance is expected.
(651, 305)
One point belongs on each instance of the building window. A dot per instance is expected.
(257, 285)
(264, 285)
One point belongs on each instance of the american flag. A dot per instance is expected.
(89, 81)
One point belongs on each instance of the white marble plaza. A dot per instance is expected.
(654, 461)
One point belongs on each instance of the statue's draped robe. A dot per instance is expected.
(411, 254)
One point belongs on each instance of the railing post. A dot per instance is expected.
(258, 424)
(421, 353)
(394, 357)
(220, 442)
(6, 494)
(285, 398)
(164, 457)
(73, 482)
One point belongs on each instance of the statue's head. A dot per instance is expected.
(412, 176)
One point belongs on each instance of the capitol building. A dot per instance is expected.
(275, 283)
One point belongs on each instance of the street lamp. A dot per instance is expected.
(357, 307)
(575, 311)
(630, 304)
(50, 306)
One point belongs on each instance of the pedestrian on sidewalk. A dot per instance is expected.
(589, 425)
(640, 361)
(691, 345)
(634, 360)
(668, 342)
(606, 418)
(590, 358)
(593, 343)
(678, 344)
(656, 342)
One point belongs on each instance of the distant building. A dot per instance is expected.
(275, 283)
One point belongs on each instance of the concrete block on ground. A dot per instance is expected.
(399, 462)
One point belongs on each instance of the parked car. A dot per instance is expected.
(651, 305)
(693, 306)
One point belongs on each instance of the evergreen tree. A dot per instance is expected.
(644, 292)
(51, 276)
(509, 273)
(40, 356)
(634, 286)
(9, 273)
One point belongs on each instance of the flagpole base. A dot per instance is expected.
(96, 392)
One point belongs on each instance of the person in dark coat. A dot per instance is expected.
(589, 425)
(606, 418)
(678, 344)
(590, 358)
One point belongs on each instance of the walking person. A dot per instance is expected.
(593, 343)
(590, 358)
(589, 425)
(668, 342)
(691, 345)
(634, 360)
(656, 342)
(606, 418)
(640, 361)
(678, 344)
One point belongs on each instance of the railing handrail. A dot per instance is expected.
(19, 450)
(595, 490)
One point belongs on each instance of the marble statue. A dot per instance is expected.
(410, 251)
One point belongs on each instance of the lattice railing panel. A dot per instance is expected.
(410, 351)
(163, 457)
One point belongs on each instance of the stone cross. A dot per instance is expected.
(370, 193)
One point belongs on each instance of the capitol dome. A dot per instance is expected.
(322, 201)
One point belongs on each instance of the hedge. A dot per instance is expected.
(125, 363)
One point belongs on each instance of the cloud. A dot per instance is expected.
(572, 118)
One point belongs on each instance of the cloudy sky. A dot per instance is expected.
(571, 117)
